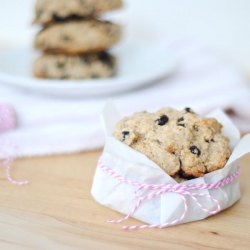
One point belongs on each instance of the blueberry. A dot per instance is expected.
(182, 174)
(124, 133)
(212, 140)
(181, 124)
(195, 150)
(106, 59)
(189, 110)
(73, 17)
(181, 119)
(57, 18)
(162, 120)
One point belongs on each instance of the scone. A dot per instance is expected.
(48, 11)
(60, 66)
(182, 143)
(76, 37)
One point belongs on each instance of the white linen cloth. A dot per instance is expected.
(49, 125)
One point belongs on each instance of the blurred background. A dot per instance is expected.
(222, 25)
(199, 33)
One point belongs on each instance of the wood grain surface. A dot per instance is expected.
(57, 211)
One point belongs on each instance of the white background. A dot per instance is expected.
(222, 24)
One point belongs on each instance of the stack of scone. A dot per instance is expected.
(74, 40)
(182, 143)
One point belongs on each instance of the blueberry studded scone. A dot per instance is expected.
(76, 37)
(48, 11)
(61, 66)
(182, 143)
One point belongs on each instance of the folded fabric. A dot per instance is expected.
(50, 125)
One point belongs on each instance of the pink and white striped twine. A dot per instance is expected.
(8, 122)
(7, 160)
(7, 117)
(180, 189)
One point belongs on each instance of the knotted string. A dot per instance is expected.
(181, 189)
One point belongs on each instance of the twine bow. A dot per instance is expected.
(180, 189)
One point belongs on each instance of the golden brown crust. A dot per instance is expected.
(181, 142)
(50, 11)
(77, 37)
(72, 51)
(60, 66)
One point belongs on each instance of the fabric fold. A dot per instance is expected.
(48, 125)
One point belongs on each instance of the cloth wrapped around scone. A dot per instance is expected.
(124, 171)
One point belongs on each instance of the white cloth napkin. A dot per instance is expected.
(48, 125)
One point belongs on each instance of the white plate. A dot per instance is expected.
(138, 65)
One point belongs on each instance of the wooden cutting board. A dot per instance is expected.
(57, 211)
